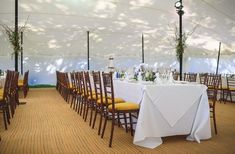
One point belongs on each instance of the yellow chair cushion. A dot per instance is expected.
(224, 87)
(116, 100)
(20, 84)
(1, 91)
(125, 106)
(1, 97)
(93, 96)
(233, 89)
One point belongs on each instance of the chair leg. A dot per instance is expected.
(7, 114)
(82, 104)
(112, 129)
(101, 119)
(94, 120)
(214, 123)
(87, 109)
(231, 99)
(104, 126)
(118, 116)
(131, 124)
(125, 122)
(92, 107)
(71, 102)
(79, 102)
(4, 119)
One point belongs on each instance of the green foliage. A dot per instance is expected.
(178, 47)
(13, 37)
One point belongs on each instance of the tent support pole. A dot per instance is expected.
(142, 48)
(16, 34)
(217, 66)
(88, 51)
(21, 56)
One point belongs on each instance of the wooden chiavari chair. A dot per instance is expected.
(115, 108)
(213, 81)
(231, 86)
(82, 87)
(89, 100)
(100, 105)
(190, 77)
(23, 84)
(73, 89)
(202, 77)
(176, 76)
(4, 99)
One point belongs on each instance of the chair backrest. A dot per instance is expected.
(88, 84)
(73, 79)
(190, 77)
(82, 86)
(14, 83)
(231, 81)
(76, 82)
(202, 77)
(108, 88)
(26, 76)
(98, 85)
(11, 83)
(213, 82)
(176, 75)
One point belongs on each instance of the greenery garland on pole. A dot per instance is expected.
(13, 37)
(179, 51)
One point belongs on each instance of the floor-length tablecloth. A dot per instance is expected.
(166, 110)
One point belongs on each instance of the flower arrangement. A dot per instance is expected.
(144, 72)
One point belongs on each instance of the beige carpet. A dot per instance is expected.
(46, 124)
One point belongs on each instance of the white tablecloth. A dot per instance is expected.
(166, 110)
(2, 81)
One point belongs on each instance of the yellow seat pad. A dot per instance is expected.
(20, 81)
(125, 106)
(1, 91)
(93, 96)
(224, 87)
(116, 100)
(20, 84)
(233, 89)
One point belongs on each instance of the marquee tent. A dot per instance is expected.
(56, 35)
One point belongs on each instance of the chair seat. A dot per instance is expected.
(232, 89)
(116, 100)
(93, 96)
(224, 88)
(20, 84)
(125, 106)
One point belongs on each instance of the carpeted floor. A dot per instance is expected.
(46, 124)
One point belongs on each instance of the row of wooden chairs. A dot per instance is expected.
(225, 91)
(95, 93)
(9, 96)
(190, 77)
